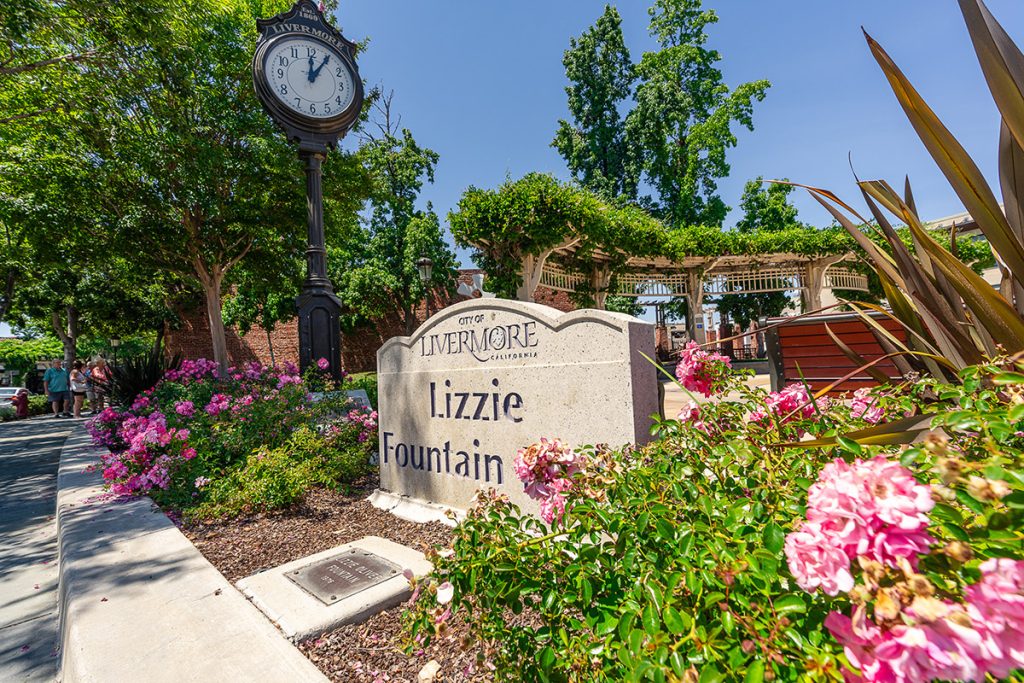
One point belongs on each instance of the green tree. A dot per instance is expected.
(601, 77)
(377, 268)
(682, 124)
(195, 174)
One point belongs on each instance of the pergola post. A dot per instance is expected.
(695, 305)
(533, 267)
(600, 282)
(815, 282)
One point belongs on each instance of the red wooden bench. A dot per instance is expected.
(803, 347)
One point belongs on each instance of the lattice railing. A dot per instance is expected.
(844, 278)
(784, 279)
(754, 282)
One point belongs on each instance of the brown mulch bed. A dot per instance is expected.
(371, 651)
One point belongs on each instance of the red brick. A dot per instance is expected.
(358, 347)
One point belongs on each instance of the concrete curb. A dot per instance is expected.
(138, 602)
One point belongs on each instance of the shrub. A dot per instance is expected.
(729, 549)
(195, 438)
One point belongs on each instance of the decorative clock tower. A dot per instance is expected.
(305, 75)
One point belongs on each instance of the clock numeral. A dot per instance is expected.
(311, 52)
(338, 100)
(338, 72)
(295, 52)
(282, 60)
(284, 89)
(298, 102)
(280, 73)
(327, 108)
(312, 108)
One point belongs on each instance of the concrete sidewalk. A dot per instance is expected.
(138, 602)
(29, 456)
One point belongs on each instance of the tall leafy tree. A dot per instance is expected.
(601, 76)
(195, 173)
(377, 268)
(685, 114)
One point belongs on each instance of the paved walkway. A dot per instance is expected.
(676, 398)
(29, 456)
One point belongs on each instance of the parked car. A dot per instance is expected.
(7, 393)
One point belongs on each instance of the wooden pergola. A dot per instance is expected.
(693, 277)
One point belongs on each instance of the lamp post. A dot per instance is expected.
(426, 268)
(114, 343)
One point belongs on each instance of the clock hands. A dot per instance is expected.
(314, 73)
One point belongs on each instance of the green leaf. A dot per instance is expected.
(678, 663)
(654, 593)
(850, 445)
(755, 672)
(635, 640)
(676, 621)
(547, 658)
(709, 674)
(651, 620)
(774, 537)
(790, 604)
(607, 625)
(1008, 378)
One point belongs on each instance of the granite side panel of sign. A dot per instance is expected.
(484, 378)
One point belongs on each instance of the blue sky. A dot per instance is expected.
(482, 84)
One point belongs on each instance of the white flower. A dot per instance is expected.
(445, 593)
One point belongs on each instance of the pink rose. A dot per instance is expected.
(817, 563)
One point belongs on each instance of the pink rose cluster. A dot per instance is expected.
(546, 470)
(150, 451)
(864, 406)
(702, 371)
(691, 414)
(871, 508)
(323, 364)
(951, 641)
(781, 405)
(192, 371)
(366, 421)
(218, 404)
(105, 429)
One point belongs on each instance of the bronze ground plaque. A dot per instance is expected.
(343, 575)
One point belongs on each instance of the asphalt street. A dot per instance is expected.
(29, 458)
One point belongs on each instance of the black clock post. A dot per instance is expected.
(315, 114)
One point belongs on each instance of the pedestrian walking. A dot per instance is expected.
(100, 379)
(79, 386)
(57, 387)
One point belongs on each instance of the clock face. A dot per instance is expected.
(309, 77)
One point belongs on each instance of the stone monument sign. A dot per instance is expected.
(484, 378)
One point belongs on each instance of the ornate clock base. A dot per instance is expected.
(319, 330)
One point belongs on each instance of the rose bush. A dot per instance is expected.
(769, 537)
(196, 441)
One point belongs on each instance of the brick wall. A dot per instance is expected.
(358, 346)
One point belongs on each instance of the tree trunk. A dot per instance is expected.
(67, 332)
(158, 344)
(211, 289)
(270, 347)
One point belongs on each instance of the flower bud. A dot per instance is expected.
(887, 606)
(747, 646)
(959, 551)
(936, 443)
(949, 469)
(987, 489)
(921, 586)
